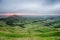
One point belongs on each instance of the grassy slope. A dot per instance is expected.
(17, 33)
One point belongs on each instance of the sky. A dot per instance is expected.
(31, 7)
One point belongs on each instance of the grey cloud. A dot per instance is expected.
(43, 6)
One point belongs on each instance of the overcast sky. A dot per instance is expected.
(30, 6)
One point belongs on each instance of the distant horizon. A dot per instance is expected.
(26, 14)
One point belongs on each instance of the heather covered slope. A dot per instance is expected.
(30, 28)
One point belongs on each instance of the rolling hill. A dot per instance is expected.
(30, 28)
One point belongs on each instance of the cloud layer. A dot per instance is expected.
(31, 6)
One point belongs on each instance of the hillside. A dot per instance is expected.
(30, 28)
